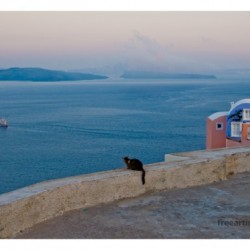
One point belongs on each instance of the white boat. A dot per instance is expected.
(3, 123)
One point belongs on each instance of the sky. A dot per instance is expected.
(113, 42)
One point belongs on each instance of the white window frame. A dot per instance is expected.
(233, 124)
(221, 124)
(246, 114)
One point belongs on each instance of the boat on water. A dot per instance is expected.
(3, 123)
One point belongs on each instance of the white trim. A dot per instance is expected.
(233, 128)
(238, 103)
(244, 114)
(217, 115)
(221, 126)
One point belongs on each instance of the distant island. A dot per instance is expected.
(44, 75)
(161, 75)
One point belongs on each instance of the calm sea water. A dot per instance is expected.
(65, 129)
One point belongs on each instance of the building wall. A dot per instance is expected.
(233, 111)
(245, 134)
(216, 138)
(232, 143)
(226, 138)
(244, 138)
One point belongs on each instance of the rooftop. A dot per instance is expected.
(216, 115)
(234, 105)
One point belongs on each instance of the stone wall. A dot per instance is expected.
(28, 206)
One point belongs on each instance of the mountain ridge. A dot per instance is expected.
(163, 75)
(44, 75)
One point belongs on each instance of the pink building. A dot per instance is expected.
(231, 128)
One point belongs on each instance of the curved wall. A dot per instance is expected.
(28, 206)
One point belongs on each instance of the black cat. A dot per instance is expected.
(135, 164)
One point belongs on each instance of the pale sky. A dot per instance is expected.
(111, 42)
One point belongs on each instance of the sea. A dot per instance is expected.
(62, 129)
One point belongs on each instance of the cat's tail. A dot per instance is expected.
(143, 176)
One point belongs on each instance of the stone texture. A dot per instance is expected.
(26, 207)
(191, 213)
